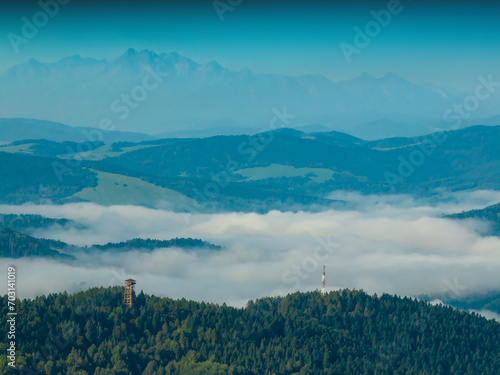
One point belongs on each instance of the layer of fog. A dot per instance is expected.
(390, 244)
(490, 315)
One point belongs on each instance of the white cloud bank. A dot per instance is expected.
(389, 244)
(490, 315)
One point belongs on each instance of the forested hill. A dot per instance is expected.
(345, 332)
(151, 244)
(17, 245)
(275, 170)
(29, 223)
(490, 214)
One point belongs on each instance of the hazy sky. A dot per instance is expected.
(449, 43)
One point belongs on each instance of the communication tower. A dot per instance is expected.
(323, 282)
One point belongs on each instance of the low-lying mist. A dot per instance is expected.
(392, 244)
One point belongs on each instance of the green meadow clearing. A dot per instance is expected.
(114, 189)
(318, 175)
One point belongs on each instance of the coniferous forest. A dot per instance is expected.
(344, 332)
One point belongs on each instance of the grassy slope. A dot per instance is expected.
(318, 175)
(118, 189)
(104, 151)
(19, 149)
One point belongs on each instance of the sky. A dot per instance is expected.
(445, 43)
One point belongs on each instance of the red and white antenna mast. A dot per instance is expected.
(323, 282)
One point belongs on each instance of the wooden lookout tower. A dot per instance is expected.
(129, 292)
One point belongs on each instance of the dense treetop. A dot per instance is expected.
(151, 244)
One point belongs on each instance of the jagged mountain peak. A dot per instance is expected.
(33, 62)
(366, 75)
(132, 55)
(130, 52)
(76, 61)
(393, 78)
(214, 66)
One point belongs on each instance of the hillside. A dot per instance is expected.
(17, 245)
(14, 244)
(489, 214)
(345, 332)
(27, 224)
(297, 162)
(48, 179)
(282, 170)
(27, 178)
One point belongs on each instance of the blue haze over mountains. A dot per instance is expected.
(196, 99)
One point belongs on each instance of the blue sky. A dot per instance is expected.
(450, 43)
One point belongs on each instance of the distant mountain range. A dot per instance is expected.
(168, 93)
(20, 129)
